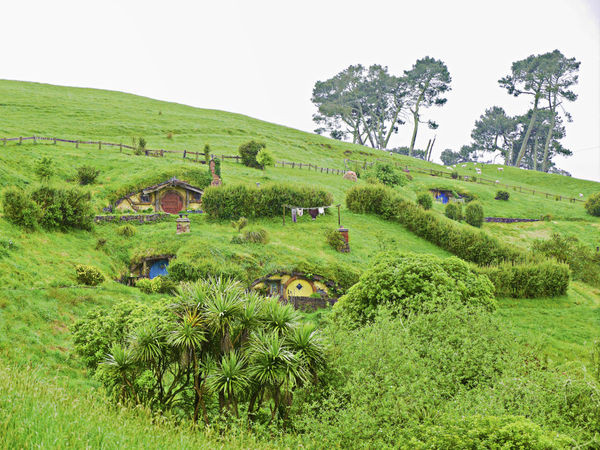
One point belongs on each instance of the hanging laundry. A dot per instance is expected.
(300, 212)
(321, 210)
(294, 215)
(314, 212)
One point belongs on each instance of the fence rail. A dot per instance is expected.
(310, 167)
(146, 151)
(476, 179)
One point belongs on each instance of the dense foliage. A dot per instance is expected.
(410, 283)
(217, 350)
(235, 201)
(387, 174)
(453, 211)
(464, 242)
(335, 239)
(249, 151)
(157, 285)
(126, 230)
(532, 280)
(425, 200)
(592, 205)
(474, 214)
(583, 261)
(50, 207)
(88, 275)
(502, 195)
(87, 174)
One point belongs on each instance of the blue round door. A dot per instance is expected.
(159, 268)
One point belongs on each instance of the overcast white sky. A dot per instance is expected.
(262, 58)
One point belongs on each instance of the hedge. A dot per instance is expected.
(233, 202)
(533, 280)
(465, 242)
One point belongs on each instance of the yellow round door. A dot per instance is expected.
(298, 288)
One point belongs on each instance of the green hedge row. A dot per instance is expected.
(465, 242)
(533, 280)
(233, 202)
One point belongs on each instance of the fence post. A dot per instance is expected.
(4, 141)
(184, 152)
(20, 140)
(120, 147)
(54, 141)
(77, 143)
(222, 157)
(99, 145)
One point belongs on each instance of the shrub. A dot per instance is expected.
(264, 158)
(546, 279)
(387, 174)
(256, 236)
(454, 211)
(183, 271)
(88, 275)
(425, 200)
(63, 208)
(474, 214)
(454, 174)
(592, 205)
(44, 168)
(335, 239)
(249, 151)
(239, 224)
(410, 283)
(20, 209)
(127, 230)
(466, 243)
(156, 285)
(207, 154)
(233, 202)
(101, 242)
(502, 195)
(87, 175)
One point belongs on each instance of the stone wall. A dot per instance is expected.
(508, 220)
(141, 218)
(311, 303)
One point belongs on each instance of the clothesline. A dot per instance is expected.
(310, 207)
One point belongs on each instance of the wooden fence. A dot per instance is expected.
(310, 167)
(476, 179)
(187, 154)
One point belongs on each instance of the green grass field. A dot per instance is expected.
(39, 299)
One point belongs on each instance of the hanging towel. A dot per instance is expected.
(294, 215)
(300, 212)
(314, 212)
(321, 210)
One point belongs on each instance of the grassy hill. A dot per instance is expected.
(39, 299)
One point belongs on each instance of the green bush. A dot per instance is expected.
(454, 211)
(88, 275)
(425, 200)
(156, 285)
(233, 202)
(454, 174)
(532, 280)
(474, 214)
(583, 261)
(592, 205)
(126, 230)
(87, 174)
(411, 283)
(63, 208)
(387, 174)
(471, 245)
(183, 271)
(20, 209)
(335, 239)
(249, 151)
(502, 195)
(264, 158)
(44, 168)
(256, 236)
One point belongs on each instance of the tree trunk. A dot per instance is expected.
(535, 147)
(528, 133)
(414, 135)
(549, 136)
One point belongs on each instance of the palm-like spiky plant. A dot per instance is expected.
(305, 341)
(229, 378)
(249, 318)
(278, 317)
(223, 308)
(147, 343)
(119, 365)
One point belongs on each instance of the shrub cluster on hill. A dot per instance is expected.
(533, 280)
(592, 205)
(52, 208)
(474, 214)
(385, 173)
(249, 152)
(88, 275)
(411, 283)
(233, 202)
(466, 243)
(87, 174)
(502, 195)
(453, 211)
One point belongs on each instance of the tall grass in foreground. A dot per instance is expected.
(35, 413)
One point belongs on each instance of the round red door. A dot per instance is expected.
(171, 202)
